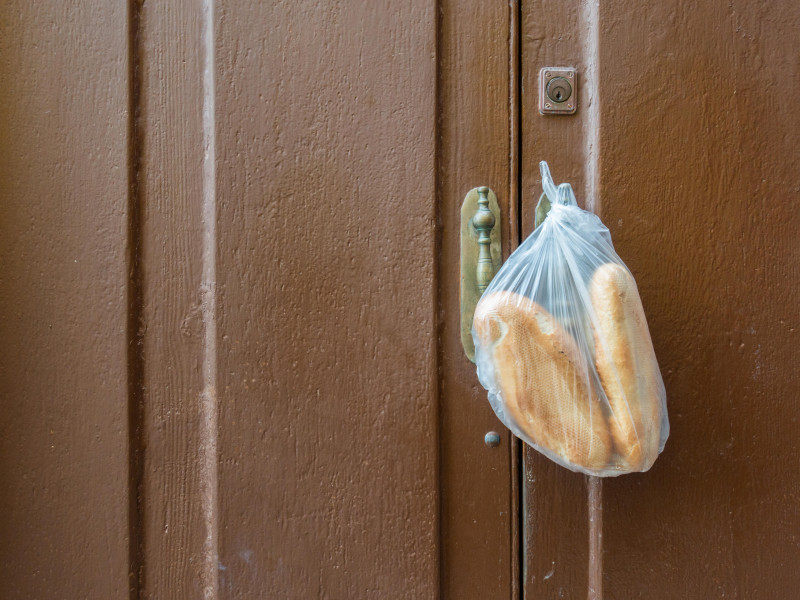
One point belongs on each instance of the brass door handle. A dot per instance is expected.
(483, 221)
(480, 255)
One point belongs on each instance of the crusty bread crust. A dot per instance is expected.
(627, 366)
(543, 379)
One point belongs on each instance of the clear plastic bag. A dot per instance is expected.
(563, 348)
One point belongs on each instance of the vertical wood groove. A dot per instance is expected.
(590, 79)
(515, 230)
(135, 299)
(595, 587)
(209, 421)
(515, 122)
(438, 320)
(593, 203)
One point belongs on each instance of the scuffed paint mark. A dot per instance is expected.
(757, 367)
(551, 572)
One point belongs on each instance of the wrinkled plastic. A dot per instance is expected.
(563, 348)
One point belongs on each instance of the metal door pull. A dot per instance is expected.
(480, 255)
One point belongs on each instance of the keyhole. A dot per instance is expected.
(559, 90)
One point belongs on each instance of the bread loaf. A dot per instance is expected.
(543, 379)
(627, 366)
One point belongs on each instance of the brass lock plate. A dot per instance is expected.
(558, 91)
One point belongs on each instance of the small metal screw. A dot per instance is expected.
(569, 106)
(571, 74)
(547, 73)
(548, 105)
(492, 439)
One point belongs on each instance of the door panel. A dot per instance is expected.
(692, 151)
(719, 282)
(326, 348)
(254, 406)
(555, 500)
(479, 495)
(176, 471)
(64, 297)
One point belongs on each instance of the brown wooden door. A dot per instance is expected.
(686, 143)
(229, 297)
(231, 364)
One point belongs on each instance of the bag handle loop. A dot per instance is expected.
(562, 194)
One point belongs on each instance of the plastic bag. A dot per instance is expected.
(563, 348)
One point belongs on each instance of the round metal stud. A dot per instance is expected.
(492, 439)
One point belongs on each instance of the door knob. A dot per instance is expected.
(480, 255)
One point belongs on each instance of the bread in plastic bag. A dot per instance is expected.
(563, 348)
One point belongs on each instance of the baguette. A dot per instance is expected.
(627, 366)
(542, 379)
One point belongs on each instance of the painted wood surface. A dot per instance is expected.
(700, 189)
(326, 305)
(479, 544)
(228, 288)
(688, 140)
(554, 500)
(64, 292)
(173, 406)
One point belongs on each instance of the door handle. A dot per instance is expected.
(480, 255)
